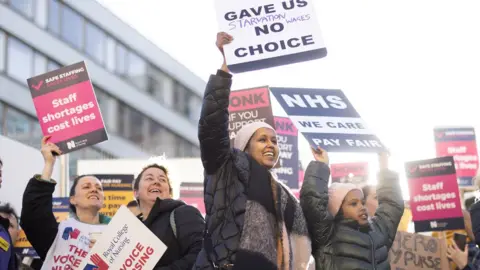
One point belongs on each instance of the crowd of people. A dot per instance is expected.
(253, 221)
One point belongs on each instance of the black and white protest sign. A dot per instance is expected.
(269, 33)
(327, 119)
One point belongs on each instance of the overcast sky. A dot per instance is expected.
(406, 66)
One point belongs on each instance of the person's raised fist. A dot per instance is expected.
(320, 154)
(48, 150)
(223, 39)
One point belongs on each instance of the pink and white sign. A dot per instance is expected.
(434, 195)
(67, 108)
(462, 145)
(192, 194)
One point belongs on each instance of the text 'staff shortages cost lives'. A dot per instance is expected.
(248, 106)
(355, 173)
(434, 196)
(287, 140)
(327, 119)
(117, 191)
(462, 145)
(269, 33)
(67, 108)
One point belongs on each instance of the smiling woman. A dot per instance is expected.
(168, 218)
(54, 240)
(254, 221)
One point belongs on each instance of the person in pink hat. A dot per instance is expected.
(343, 236)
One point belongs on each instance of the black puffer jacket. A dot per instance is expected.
(182, 250)
(224, 196)
(342, 245)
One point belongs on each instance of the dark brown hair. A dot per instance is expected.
(132, 204)
(8, 209)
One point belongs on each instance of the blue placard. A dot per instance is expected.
(327, 119)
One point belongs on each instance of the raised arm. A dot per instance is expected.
(37, 219)
(213, 123)
(314, 200)
(390, 201)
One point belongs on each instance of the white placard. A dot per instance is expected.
(125, 244)
(269, 33)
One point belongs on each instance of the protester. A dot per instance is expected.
(133, 207)
(463, 260)
(7, 212)
(470, 257)
(253, 221)
(8, 259)
(178, 225)
(475, 212)
(342, 235)
(475, 227)
(49, 238)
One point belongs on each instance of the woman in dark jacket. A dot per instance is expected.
(178, 225)
(49, 238)
(342, 235)
(253, 221)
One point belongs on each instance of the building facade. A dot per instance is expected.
(150, 103)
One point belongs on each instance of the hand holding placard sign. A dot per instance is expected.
(327, 119)
(67, 108)
(434, 195)
(460, 143)
(125, 244)
(269, 33)
(417, 252)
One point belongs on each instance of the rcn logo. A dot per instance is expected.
(71, 144)
(69, 232)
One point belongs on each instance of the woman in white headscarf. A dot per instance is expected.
(253, 221)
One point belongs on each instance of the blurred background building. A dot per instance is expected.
(150, 102)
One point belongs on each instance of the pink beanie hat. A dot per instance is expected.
(246, 132)
(336, 195)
